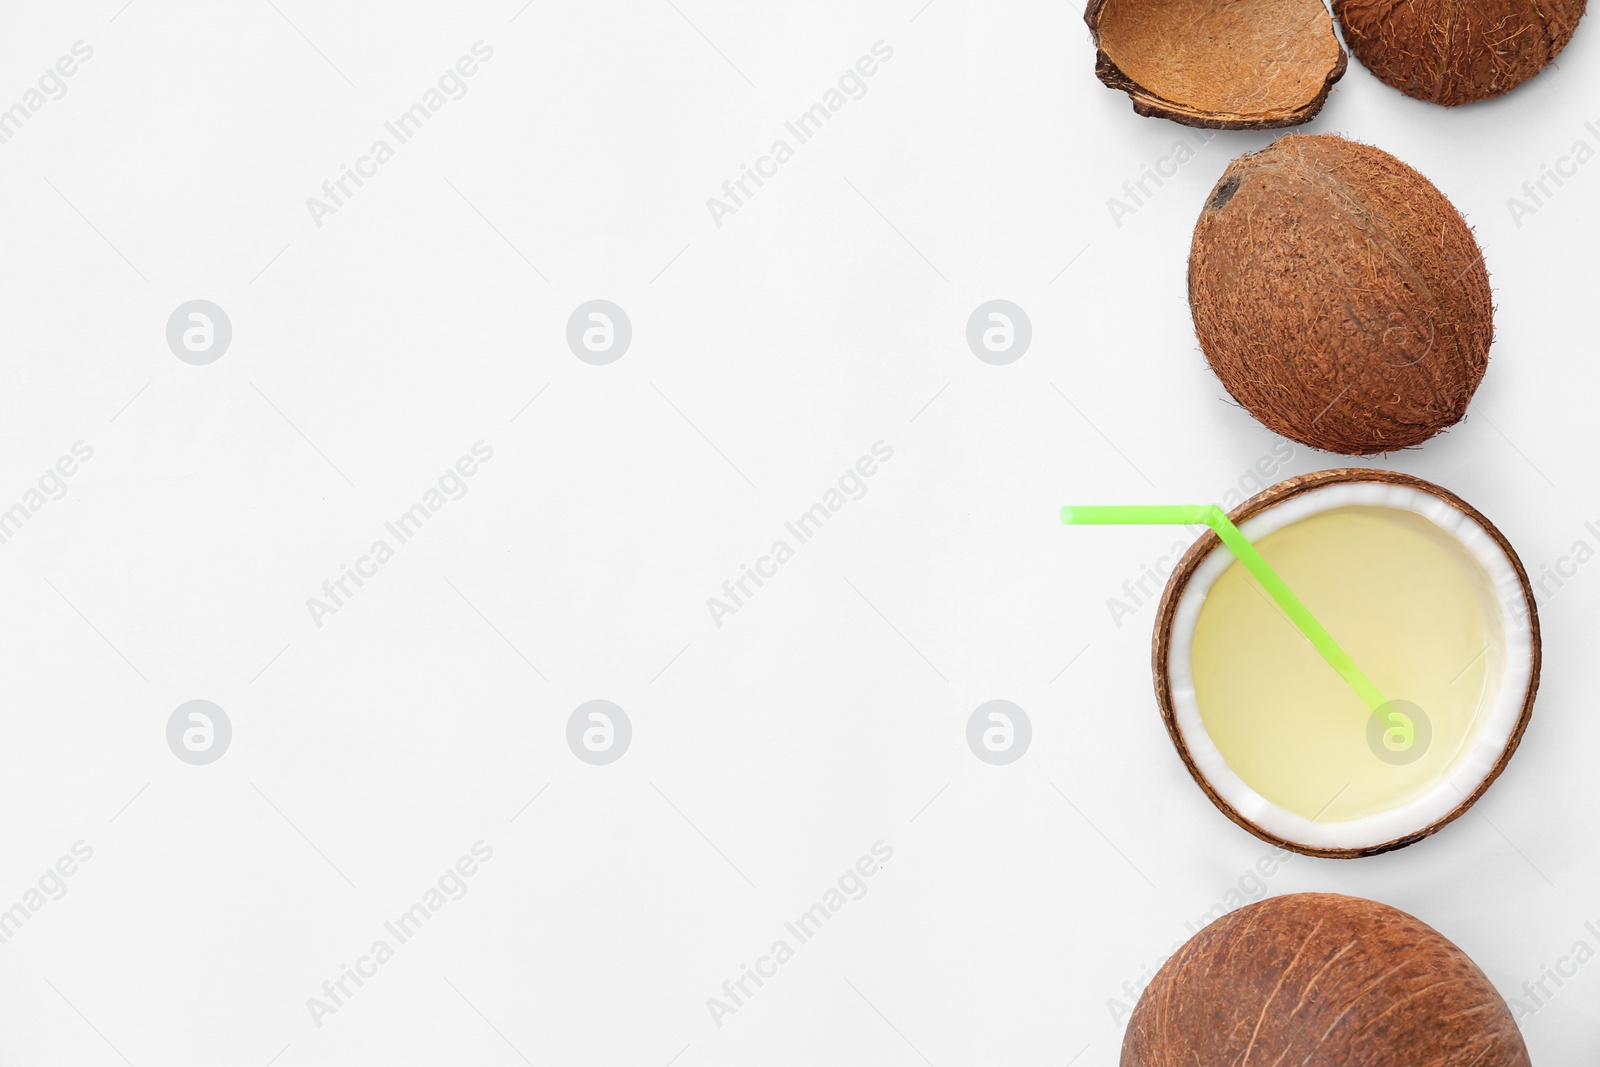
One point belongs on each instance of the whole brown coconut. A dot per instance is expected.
(1234, 65)
(1454, 52)
(1339, 296)
(1321, 980)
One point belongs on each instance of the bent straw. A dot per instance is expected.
(1213, 516)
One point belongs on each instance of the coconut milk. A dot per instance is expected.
(1410, 606)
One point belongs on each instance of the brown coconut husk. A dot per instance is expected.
(1448, 52)
(1161, 647)
(1243, 65)
(1320, 978)
(1339, 296)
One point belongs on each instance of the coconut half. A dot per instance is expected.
(1450, 53)
(1241, 65)
(1509, 670)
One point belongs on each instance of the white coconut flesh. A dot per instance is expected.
(1467, 757)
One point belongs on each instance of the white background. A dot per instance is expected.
(768, 355)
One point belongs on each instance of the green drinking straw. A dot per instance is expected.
(1245, 552)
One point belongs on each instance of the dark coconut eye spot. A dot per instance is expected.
(1224, 193)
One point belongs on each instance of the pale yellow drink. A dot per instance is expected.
(1410, 606)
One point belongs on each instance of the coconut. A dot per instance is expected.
(1509, 683)
(1321, 979)
(1449, 52)
(1339, 296)
(1244, 65)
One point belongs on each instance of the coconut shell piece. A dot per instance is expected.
(1321, 980)
(1453, 52)
(1339, 296)
(1282, 492)
(1219, 64)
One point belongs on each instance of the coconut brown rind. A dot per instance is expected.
(1161, 647)
(1325, 980)
(1339, 296)
(1229, 65)
(1450, 52)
